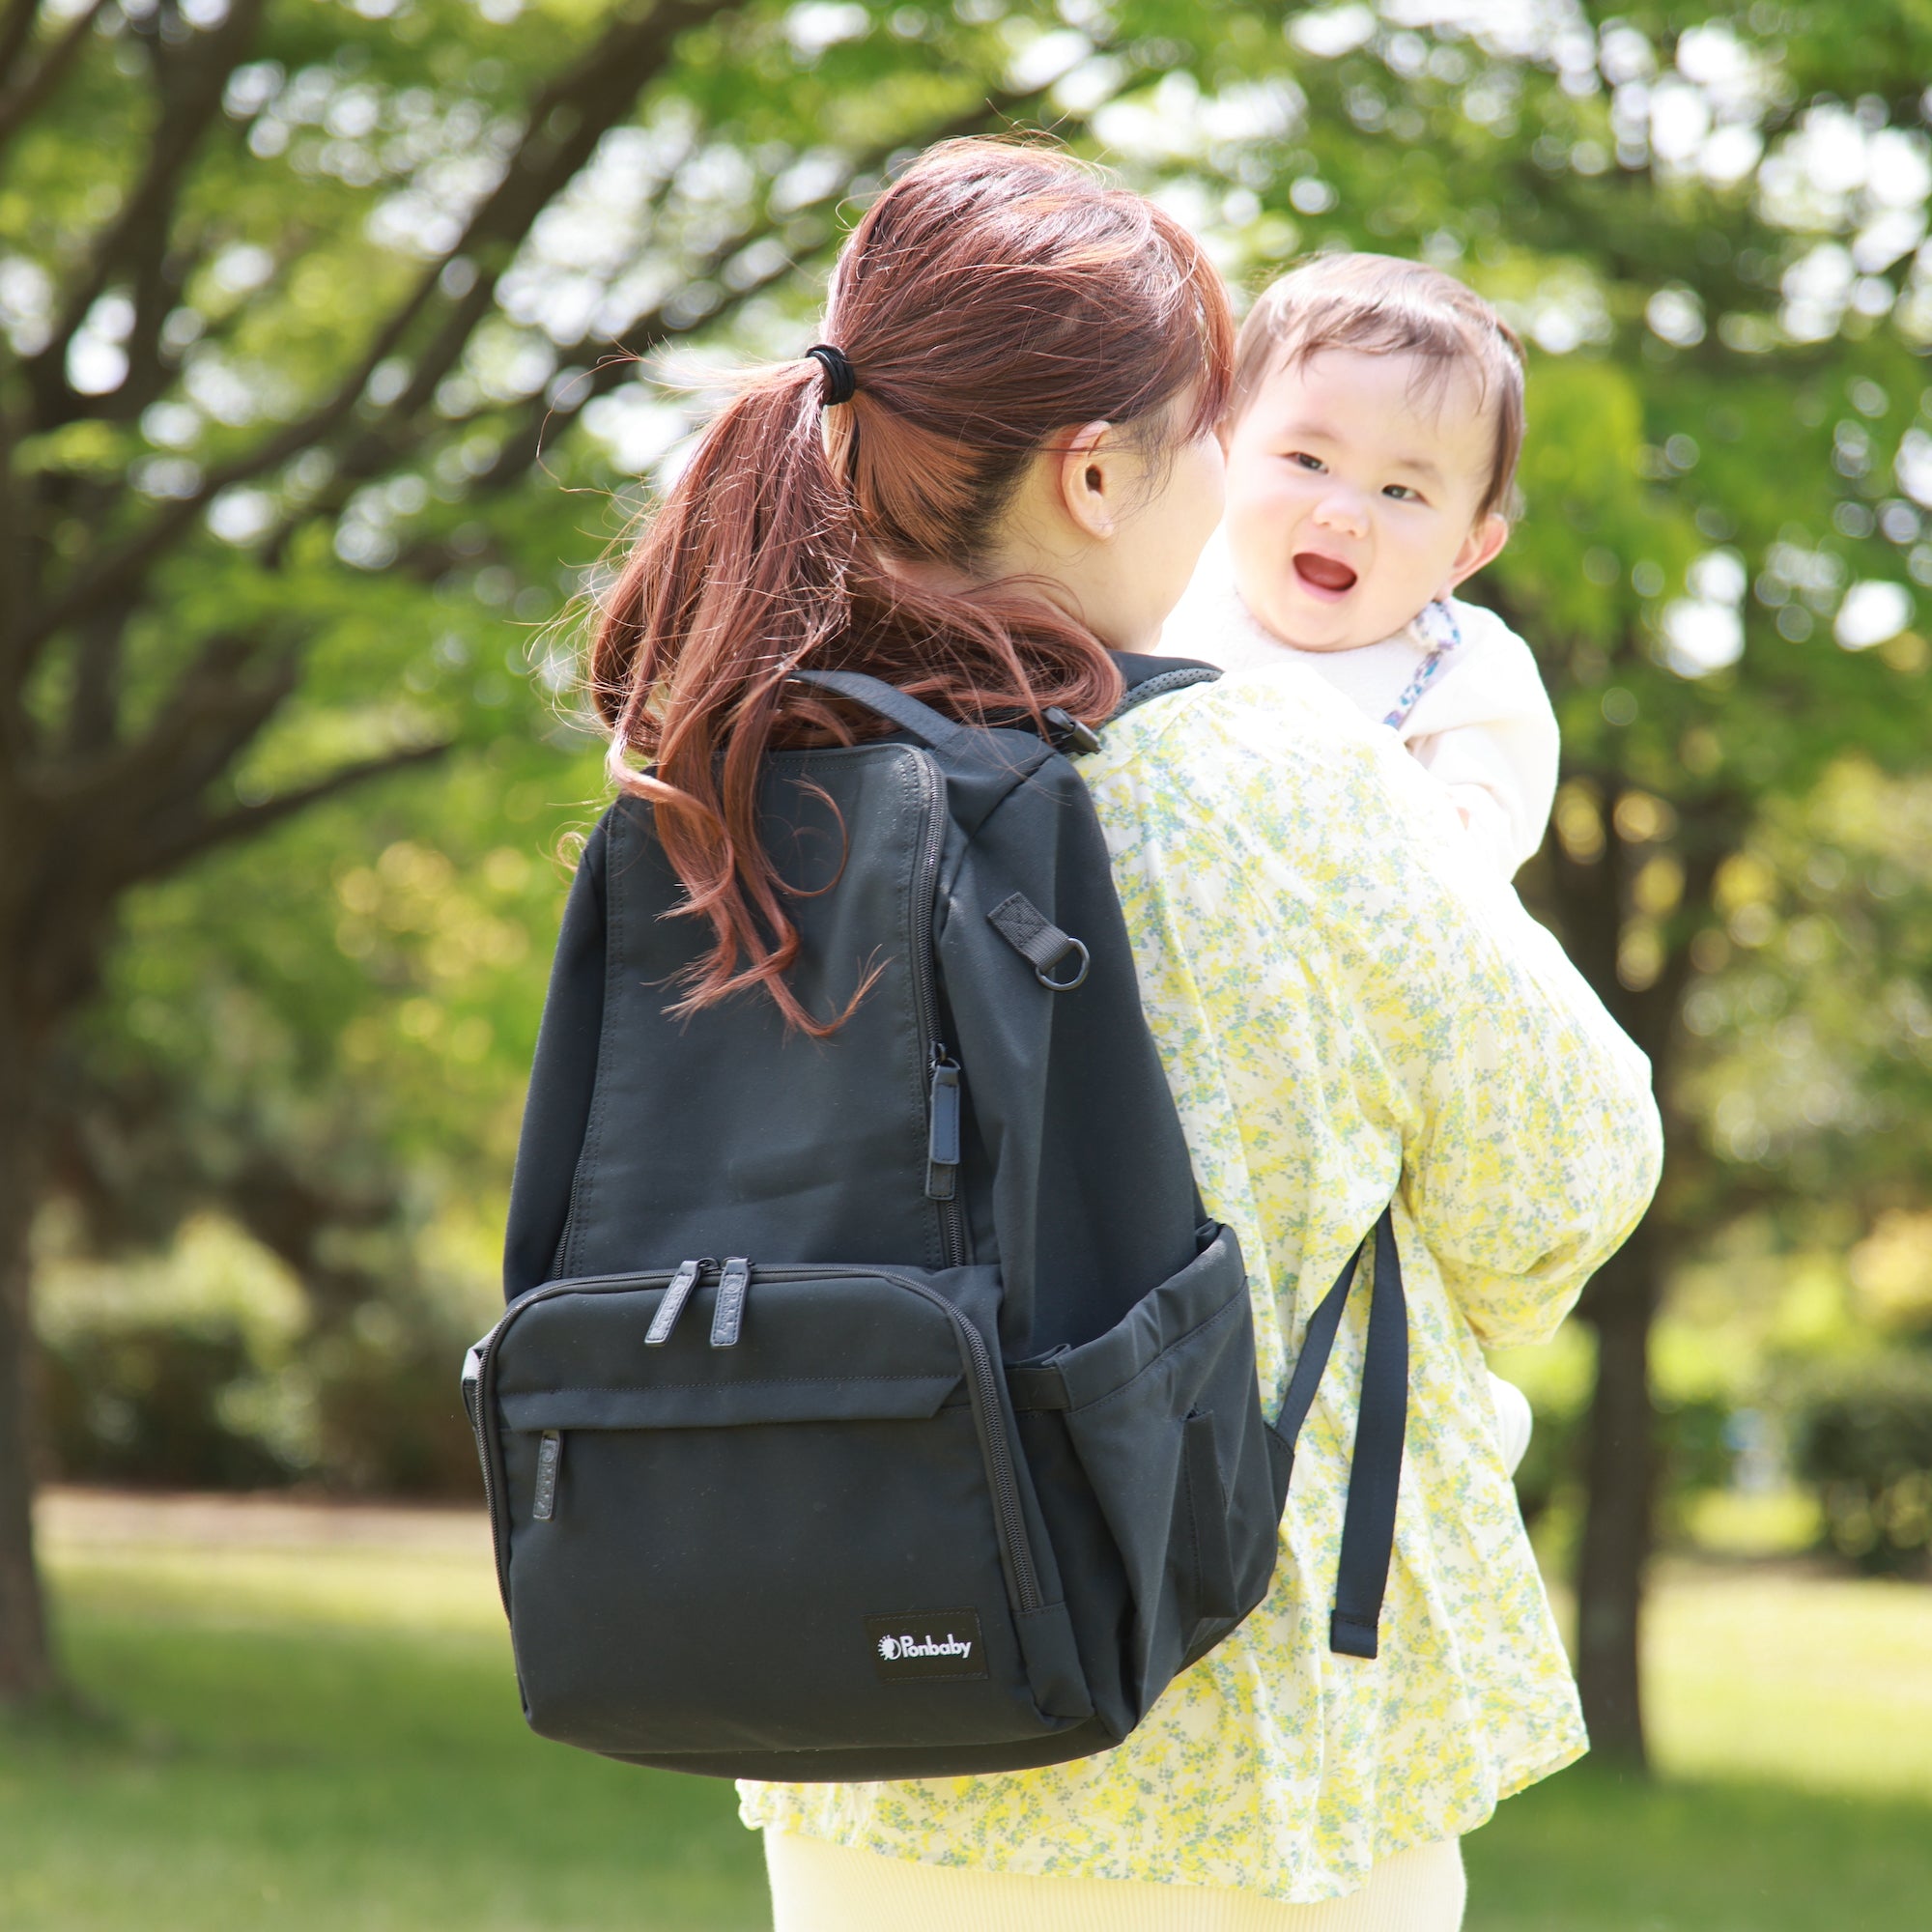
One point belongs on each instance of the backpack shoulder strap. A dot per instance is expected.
(885, 701)
(1154, 678)
(1145, 677)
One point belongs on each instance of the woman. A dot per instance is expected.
(1000, 465)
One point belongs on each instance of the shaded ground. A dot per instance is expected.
(319, 1731)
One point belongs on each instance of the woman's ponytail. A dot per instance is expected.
(743, 574)
(994, 294)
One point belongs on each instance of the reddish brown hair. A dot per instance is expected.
(1382, 306)
(994, 294)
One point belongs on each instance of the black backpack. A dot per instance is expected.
(885, 1405)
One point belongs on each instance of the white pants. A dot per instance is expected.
(819, 1887)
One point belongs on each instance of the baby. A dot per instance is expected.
(1372, 444)
(1371, 447)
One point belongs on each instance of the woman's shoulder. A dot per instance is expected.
(1257, 752)
(1282, 714)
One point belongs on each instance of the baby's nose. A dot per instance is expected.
(1343, 511)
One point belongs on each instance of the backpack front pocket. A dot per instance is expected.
(775, 1527)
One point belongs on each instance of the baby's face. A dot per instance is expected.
(1352, 497)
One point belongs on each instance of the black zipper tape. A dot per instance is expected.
(924, 990)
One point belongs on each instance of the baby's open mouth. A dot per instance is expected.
(1324, 573)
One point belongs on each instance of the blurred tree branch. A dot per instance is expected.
(190, 833)
(22, 96)
(566, 121)
(189, 79)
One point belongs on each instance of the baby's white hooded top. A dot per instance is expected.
(1457, 686)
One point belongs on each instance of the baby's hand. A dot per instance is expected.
(1487, 822)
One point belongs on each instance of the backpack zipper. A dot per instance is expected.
(981, 1386)
(549, 1465)
(476, 1366)
(678, 1291)
(940, 1186)
(942, 1141)
(727, 1317)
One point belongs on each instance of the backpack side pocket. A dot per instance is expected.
(1162, 1416)
(1207, 1520)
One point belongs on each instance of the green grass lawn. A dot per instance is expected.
(324, 1734)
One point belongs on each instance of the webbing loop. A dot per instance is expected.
(1381, 1424)
(1057, 959)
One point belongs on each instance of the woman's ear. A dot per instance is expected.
(1091, 477)
(1481, 546)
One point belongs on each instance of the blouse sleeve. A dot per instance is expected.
(1531, 1142)
(1533, 1145)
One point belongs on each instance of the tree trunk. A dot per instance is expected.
(1587, 894)
(27, 1674)
(1619, 1470)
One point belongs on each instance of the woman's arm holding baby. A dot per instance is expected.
(1530, 1140)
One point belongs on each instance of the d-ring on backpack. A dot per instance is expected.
(884, 1405)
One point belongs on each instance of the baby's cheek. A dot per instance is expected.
(1261, 568)
(1258, 524)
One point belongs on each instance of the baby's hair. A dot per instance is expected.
(1383, 306)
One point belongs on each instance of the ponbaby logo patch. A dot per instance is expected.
(908, 1645)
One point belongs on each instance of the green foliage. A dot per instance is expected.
(1864, 1434)
(318, 1740)
(208, 1366)
(1589, 1851)
(174, 1402)
(1692, 1445)
(1693, 212)
(143, 1404)
(389, 1420)
(1812, 1031)
(343, 413)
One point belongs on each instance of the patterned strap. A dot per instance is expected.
(1438, 623)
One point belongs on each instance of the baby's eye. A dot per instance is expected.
(1401, 492)
(1307, 462)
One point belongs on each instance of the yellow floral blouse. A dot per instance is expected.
(1348, 1006)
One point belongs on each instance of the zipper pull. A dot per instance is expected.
(730, 1313)
(472, 1382)
(942, 1147)
(549, 1461)
(675, 1295)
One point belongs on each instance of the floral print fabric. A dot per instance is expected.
(1348, 1006)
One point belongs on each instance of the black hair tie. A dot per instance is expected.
(841, 384)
